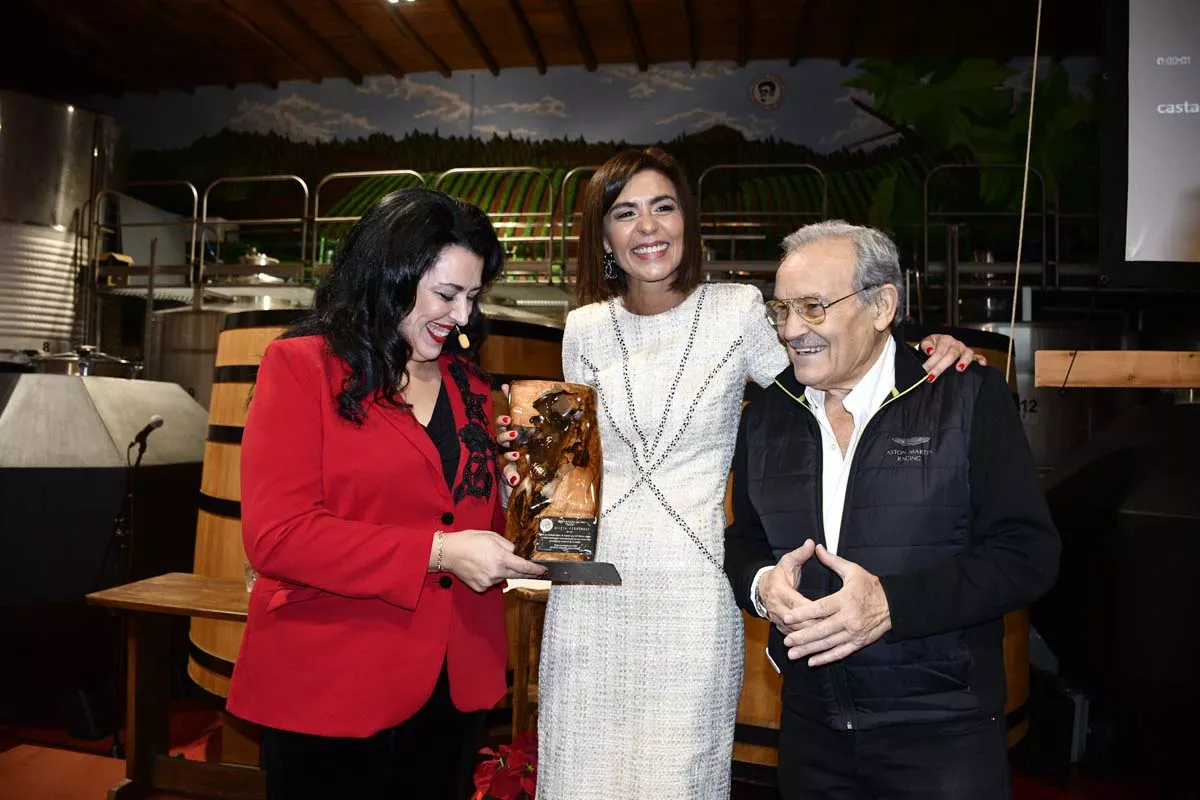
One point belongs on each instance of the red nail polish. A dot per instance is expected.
(961, 367)
(932, 378)
(513, 480)
(505, 420)
(928, 351)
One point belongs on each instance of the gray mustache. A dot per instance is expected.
(807, 340)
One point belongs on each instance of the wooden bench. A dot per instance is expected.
(148, 606)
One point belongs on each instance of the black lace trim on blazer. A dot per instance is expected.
(482, 453)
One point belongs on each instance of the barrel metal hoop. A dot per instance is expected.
(225, 434)
(521, 330)
(240, 373)
(1015, 717)
(272, 318)
(759, 735)
(758, 774)
(220, 506)
(206, 660)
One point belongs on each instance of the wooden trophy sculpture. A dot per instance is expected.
(554, 511)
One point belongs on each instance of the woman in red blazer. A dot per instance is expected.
(371, 510)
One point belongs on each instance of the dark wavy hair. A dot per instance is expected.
(372, 287)
(602, 191)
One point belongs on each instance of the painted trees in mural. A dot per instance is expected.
(912, 116)
(971, 112)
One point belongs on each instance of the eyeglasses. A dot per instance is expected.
(810, 309)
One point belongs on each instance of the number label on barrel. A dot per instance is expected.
(1029, 410)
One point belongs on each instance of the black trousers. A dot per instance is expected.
(430, 756)
(952, 761)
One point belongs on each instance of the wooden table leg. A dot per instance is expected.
(147, 703)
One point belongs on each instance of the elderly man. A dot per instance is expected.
(884, 522)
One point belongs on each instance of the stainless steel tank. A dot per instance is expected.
(86, 360)
(53, 159)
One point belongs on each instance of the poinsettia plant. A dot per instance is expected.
(510, 771)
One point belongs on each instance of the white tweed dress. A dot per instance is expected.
(639, 683)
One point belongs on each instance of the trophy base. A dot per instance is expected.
(594, 572)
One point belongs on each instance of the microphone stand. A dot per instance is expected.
(122, 536)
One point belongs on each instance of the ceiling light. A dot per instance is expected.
(393, 2)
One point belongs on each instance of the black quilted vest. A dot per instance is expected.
(908, 504)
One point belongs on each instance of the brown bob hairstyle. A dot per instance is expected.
(602, 191)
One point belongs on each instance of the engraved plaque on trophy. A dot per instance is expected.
(554, 512)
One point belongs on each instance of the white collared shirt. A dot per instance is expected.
(863, 401)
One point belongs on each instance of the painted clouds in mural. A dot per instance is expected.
(814, 106)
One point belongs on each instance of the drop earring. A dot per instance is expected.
(463, 341)
(610, 266)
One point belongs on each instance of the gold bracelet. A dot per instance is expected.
(441, 537)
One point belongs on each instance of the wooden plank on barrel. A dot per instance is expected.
(178, 594)
(1117, 369)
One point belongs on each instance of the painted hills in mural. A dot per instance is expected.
(923, 115)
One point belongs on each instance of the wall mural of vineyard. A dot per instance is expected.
(875, 130)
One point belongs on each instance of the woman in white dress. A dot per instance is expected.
(639, 683)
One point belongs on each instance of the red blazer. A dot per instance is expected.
(347, 632)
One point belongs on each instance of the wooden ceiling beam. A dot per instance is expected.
(297, 21)
(571, 16)
(110, 51)
(929, 10)
(150, 56)
(104, 80)
(743, 32)
(405, 27)
(689, 24)
(803, 17)
(464, 24)
(258, 33)
(199, 41)
(360, 33)
(858, 14)
(629, 22)
(528, 35)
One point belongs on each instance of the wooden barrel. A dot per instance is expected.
(512, 350)
(219, 550)
(509, 351)
(756, 731)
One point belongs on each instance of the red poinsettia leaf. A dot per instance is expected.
(506, 786)
(485, 773)
(529, 784)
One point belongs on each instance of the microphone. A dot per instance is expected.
(155, 422)
(463, 341)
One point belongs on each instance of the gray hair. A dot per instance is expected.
(877, 262)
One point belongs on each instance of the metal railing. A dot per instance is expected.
(540, 227)
(952, 265)
(567, 221)
(733, 226)
(317, 219)
(506, 222)
(295, 269)
(99, 274)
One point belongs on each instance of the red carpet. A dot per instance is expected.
(195, 733)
